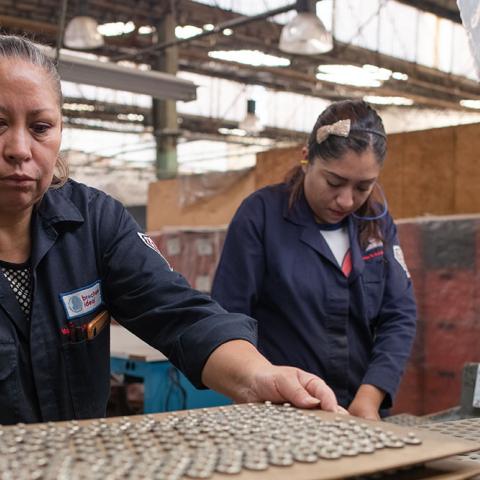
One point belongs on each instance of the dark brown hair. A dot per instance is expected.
(20, 48)
(365, 121)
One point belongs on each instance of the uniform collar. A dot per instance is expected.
(54, 210)
(301, 214)
(56, 207)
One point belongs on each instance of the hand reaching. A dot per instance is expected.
(239, 371)
(289, 384)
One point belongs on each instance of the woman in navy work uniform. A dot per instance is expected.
(69, 252)
(316, 261)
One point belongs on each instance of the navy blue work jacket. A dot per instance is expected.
(88, 255)
(277, 267)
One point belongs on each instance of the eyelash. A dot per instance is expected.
(41, 128)
(335, 185)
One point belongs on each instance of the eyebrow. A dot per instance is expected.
(343, 179)
(32, 112)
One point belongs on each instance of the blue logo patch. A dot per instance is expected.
(75, 303)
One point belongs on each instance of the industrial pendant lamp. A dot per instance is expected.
(251, 123)
(305, 34)
(81, 32)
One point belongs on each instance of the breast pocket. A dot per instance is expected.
(88, 371)
(9, 400)
(374, 286)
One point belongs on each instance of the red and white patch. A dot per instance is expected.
(398, 254)
(151, 244)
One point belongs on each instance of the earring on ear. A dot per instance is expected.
(303, 162)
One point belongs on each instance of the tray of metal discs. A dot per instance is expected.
(248, 441)
(467, 428)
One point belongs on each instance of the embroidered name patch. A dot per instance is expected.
(151, 244)
(398, 254)
(82, 301)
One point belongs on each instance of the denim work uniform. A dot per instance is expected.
(89, 256)
(277, 267)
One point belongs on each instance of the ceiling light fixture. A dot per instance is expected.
(232, 131)
(146, 30)
(250, 57)
(366, 76)
(251, 123)
(382, 100)
(305, 34)
(115, 29)
(82, 34)
(186, 31)
(82, 31)
(210, 29)
(470, 103)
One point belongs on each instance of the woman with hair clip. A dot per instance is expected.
(316, 261)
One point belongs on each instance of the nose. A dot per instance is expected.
(16, 146)
(345, 200)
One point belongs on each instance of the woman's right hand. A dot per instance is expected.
(238, 370)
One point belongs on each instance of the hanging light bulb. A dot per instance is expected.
(82, 34)
(251, 123)
(305, 34)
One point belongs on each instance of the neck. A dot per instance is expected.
(15, 236)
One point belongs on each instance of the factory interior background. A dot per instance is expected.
(183, 167)
(181, 109)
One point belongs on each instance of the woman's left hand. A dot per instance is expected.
(367, 402)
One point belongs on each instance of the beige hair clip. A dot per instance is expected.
(340, 128)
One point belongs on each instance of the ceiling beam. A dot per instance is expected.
(427, 86)
(442, 8)
(109, 114)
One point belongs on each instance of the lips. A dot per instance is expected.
(339, 214)
(17, 181)
(18, 178)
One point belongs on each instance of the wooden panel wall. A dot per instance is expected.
(431, 172)
(164, 208)
(467, 169)
(419, 173)
(272, 166)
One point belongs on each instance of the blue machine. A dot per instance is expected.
(165, 387)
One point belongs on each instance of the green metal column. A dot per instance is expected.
(164, 112)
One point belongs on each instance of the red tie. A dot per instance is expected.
(347, 264)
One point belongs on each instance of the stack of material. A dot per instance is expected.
(194, 252)
(443, 256)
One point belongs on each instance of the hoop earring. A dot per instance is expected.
(380, 215)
